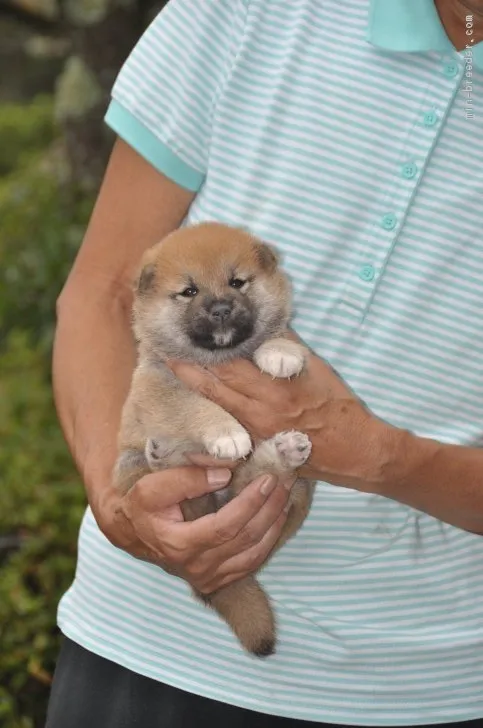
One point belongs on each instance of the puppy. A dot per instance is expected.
(208, 294)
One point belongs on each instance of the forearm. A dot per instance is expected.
(94, 352)
(355, 449)
(93, 361)
(445, 481)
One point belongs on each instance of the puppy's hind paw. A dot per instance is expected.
(293, 448)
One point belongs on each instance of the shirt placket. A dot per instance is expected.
(372, 256)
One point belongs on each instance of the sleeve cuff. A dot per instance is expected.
(134, 133)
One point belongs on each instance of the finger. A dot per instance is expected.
(209, 386)
(255, 530)
(159, 491)
(248, 561)
(206, 565)
(242, 376)
(216, 529)
(245, 379)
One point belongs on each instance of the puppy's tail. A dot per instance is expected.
(247, 610)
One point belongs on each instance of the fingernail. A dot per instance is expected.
(267, 484)
(218, 476)
(288, 506)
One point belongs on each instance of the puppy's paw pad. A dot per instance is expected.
(232, 446)
(279, 364)
(155, 452)
(293, 447)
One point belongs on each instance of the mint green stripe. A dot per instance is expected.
(379, 607)
(121, 121)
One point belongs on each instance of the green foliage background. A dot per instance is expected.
(58, 61)
(42, 218)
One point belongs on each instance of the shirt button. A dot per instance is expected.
(451, 69)
(430, 118)
(409, 170)
(389, 221)
(367, 272)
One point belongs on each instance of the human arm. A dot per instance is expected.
(92, 366)
(350, 446)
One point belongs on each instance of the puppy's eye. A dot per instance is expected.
(236, 283)
(189, 292)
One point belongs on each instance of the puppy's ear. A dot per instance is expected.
(267, 257)
(145, 279)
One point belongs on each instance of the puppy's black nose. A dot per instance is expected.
(220, 310)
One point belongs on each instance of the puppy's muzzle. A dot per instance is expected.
(220, 311)
(221, 323)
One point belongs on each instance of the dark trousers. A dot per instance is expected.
(91, 692)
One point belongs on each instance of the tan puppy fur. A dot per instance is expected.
(208, 294)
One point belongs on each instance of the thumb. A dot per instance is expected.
(170, 487)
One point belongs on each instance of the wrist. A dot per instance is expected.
(112, 520)
(387, 459)
(400, 454)
(406, 457)
(381, 458)
(361, 451)
(105, 502)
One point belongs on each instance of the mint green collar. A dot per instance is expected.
(412, 26)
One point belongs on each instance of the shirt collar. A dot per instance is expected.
(411, 26)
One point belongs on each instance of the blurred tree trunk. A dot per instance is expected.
(99, 35)
(103, 33)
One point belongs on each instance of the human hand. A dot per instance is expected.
(350, 446)
(210, 552)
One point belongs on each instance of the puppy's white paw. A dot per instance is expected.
(293, 447)
(281, 359)
(231, 445)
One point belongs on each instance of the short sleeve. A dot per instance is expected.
(165, 95)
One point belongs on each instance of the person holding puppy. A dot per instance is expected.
(349, 136)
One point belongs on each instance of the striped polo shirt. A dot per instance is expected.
(350, 135)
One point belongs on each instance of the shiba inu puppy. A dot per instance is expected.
(208, 294)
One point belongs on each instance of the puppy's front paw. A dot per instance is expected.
(231, 445)
(293, 448)
(280, 358)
